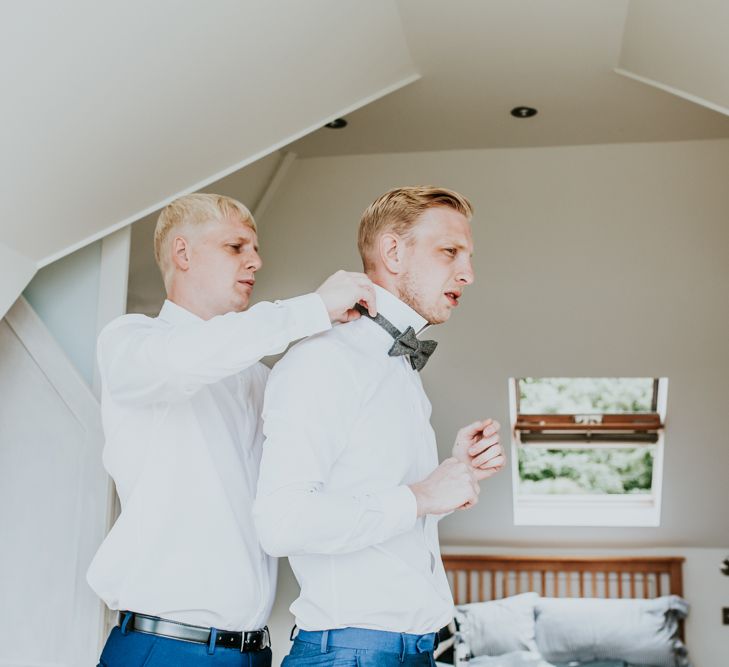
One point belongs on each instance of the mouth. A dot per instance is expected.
(247, 283)
(453, 297)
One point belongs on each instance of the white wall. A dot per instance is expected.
(52, 499)
(592, 260)
(65, 296)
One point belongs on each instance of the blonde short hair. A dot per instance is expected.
(193, 210)
(398, 209)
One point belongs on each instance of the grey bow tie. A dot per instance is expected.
(406, 342)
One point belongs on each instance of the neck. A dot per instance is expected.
(391, 283)
(385, 280)
(190, 302)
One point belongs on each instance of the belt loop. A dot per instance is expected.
(402, 647)
(213, 639)
(291, 634)
(423, 645)
(324, 640)
(127, 617)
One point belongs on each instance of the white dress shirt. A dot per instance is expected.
(181, 404)
(347, 429)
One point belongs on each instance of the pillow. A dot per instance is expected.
(499, 626)
(641, 632)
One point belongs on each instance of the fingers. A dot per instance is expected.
(483, 445)
(490, 468)
(477, 431)
(364, 292)
(342, 290)
(368, 298)
(490, 453)
(494, 464)
(471, 432)
(351, 315)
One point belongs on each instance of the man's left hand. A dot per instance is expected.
(479, 446)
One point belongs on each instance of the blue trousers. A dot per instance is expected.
(316, 648)
(137, 649)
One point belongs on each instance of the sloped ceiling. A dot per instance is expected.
(111, 109)
(681, 47)
(479, 59)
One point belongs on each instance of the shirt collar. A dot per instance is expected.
(397, 312)
(175, 314)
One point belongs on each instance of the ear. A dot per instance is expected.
(391, 249)
(181, 253)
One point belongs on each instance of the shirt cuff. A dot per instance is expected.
(399, 511)
(308, 313)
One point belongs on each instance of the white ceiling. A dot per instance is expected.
(480, 58)
(680, 47)
(111, 109)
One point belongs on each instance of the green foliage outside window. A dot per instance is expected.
(610, 470)
(585, 395)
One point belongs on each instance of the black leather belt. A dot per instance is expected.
(253, 640)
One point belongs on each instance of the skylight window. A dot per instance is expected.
(588, 451)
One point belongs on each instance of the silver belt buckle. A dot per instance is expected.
(266, 639)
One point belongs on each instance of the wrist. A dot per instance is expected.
(420, 498)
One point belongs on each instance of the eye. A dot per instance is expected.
(451, 251)
(236, 246)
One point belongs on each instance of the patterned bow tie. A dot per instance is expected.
(406, 342)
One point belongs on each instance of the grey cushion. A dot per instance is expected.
(499, 626)
(641, 632)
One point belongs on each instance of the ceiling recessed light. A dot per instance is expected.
(523, 112)
(337, 124)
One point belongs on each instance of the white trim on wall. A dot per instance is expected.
(113, 288)
(273, 185)
(113, 283)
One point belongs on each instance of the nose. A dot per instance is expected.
(254, 261)
(465, 274)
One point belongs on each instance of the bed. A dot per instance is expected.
(576, 587)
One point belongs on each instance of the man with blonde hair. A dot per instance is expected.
(350, 488)
(181, 403)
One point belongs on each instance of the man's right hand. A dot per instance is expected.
(342, 290)
(450, 486)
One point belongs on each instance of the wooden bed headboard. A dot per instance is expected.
(476, 578)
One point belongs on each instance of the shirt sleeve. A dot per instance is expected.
(312, 401)
(143, 361)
